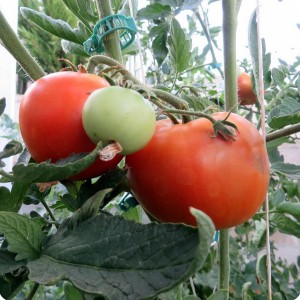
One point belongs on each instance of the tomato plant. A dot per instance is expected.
(121, 115)
(183, 166)
(246, 94)
(51, 119)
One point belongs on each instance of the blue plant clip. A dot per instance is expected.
(125, 25)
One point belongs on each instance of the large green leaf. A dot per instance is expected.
(24, 235)
(84, 10)
(286, 113)
(289, 208)
(12, 200)
(290, 170)
(121, 259)
(8, 262)
(179, 47)
(57, 27)
(159, 44)
(285, 224)
(154, 11)
(27, 171)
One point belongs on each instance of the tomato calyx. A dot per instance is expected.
(222, 128)
(225, 129)
(110, 151)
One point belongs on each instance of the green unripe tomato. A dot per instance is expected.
(121, 115)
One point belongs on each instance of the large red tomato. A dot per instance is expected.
(246, 94)
(183, 166)
(51, 119)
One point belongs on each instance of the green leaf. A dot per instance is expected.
(154, 11)
(8, 262)
(12, 200)
(261, 268)
(10, 149)
(10, 285)
(199, 103)
(24, 235)
(5, 204)
(71, 292)
(289, 208)
(285, 224)
(278, 197)
(73, 48)
(245, 289)
(84, 10)
(57, 27)
(287, 113)
(2, 105)
(88, 210)
(118, 259)
(277, 296)
(259, 235)
(108, 180)
(278, 77)
(117, 5)
(289, 170)
(159, 44)
(179, 47)
(26, 171)
(219, 295)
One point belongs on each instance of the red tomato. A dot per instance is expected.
(183, 166)
(246, 94)
(51, 119)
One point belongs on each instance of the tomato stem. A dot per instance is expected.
(224, 260)
(112, 42)
(165, 96)
(282, 132)
(229, 42)
(14, 46)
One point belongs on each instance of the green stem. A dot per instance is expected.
(229, 45)
(283, 132)
(165, 96)
(229, 38)
(224, 260)
(14, 46)
(112, 42)
(208, 38)
(33, 291)
(190, 113)
(174, 81)
(49, 212)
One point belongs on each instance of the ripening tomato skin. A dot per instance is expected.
(184, 166)
(246, 94)
(50, 119)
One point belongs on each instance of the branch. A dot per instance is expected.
(283, 132)
(112, 41)
(14, 46)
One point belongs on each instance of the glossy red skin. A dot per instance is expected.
(183, 166)
(50, 119)
(246, 94)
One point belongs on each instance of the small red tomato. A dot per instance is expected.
(246, 94)
(50, 119)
